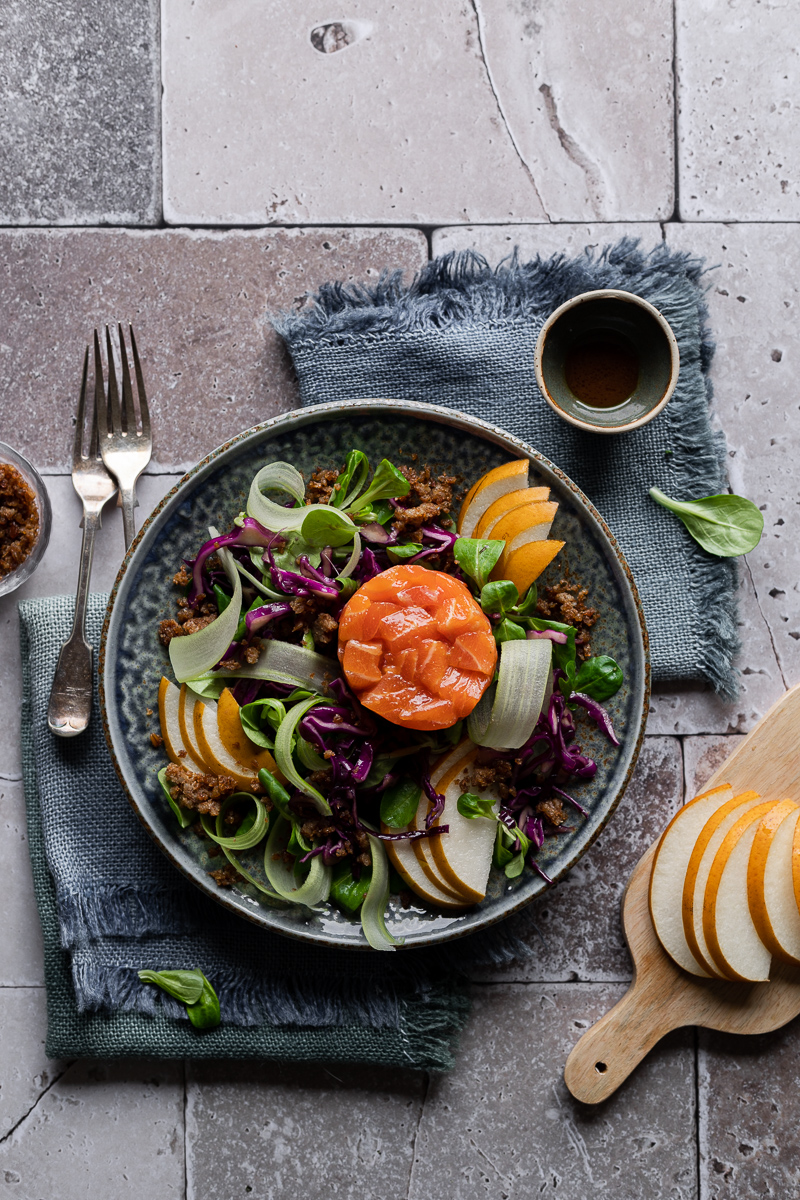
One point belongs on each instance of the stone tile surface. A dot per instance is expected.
(747, 1091)
(57, 575)
(702, 756)
(102, 1129)
(440, 114)
(199, 303)
(503, 1126)
(753, 303)
(496, 242)
(21, 951)
(738, 142)
(575, 930)
(25, 1071)
(271, 1131)
(80, 97)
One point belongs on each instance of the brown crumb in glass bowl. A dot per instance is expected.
(19, 519)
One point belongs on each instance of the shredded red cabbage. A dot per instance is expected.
(549, 635)
(249, 533)
(597, 713)
(257, 618)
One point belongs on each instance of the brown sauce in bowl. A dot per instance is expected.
(602, 370)
(19, 519)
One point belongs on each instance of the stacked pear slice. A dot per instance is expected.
(450, 870)
(501, 507)
(725, 885)
(208, 738)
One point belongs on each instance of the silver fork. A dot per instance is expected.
(71, 694)
(125, 448)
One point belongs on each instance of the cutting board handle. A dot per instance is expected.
(608, 1052)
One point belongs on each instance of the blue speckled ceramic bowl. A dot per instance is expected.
(132, 660)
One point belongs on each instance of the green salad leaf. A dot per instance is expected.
(347, 891)
(387, 484)
(351, 480)
(399, 803)
(472, 806)
(598, 677)
(499, 597)
(477, 557)
(192, 989)
(327, 527)
(397, 554)
(725, 525)
(508, 631)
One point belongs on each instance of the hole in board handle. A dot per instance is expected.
(601, 1068)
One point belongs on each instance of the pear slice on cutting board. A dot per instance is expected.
(770, 890)
(405, 862)
(178, 750)
(708, 842)
(423, 849)
(206, 731)
(731, 936)
(673, 853)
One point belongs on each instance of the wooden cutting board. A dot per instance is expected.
(662, 996)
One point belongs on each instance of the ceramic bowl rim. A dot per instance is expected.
(606, 294)
(28, 565)
(368, 407)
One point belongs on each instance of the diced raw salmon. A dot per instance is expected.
(432, 663)
(351, 624)
(371, 621)
(474, 652)
(424, 654)
(405, 626)
(458, 615)
(362, 663)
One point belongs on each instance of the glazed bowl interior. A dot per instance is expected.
(132, 661)
(616, 321)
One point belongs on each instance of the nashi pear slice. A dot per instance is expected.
(731, 936)
(770, 892)
(405, 862)
(186, 720)
(533, 495)
(214, 753)
(455, 760)
(464, 854)
(708, 842)
(178, 751)
(509, 477)
(669, 872)
(237, 743)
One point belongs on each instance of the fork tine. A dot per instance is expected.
(100, 422)
(144, 411)
(77, 445)
(113, 391)
(128, 412)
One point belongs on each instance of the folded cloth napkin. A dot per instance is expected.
(111, 904)
(464, 336)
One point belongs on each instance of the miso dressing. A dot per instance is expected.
(602, 369)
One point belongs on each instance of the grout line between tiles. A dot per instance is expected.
(676, 205)
(696, 1045)
(416, 1135)
(37, 1101)
(185, 1142)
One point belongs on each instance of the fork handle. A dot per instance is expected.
(127, 496)
(70, 703)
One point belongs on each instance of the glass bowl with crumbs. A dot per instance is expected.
(25, 518)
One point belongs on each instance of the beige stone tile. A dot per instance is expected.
(428, 114)
(690, 709)
(101, 1130)
(496, 242)
(575, 930)
(702, 756)
(749, 1143)
(503, 1126)
(199, 303)
(25, 1071)
(276, 1130)
(21, 951)
(738, 141)
(57, 575)
(753, 300)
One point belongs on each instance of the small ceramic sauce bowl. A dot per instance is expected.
(607, 361)
(15, 578)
